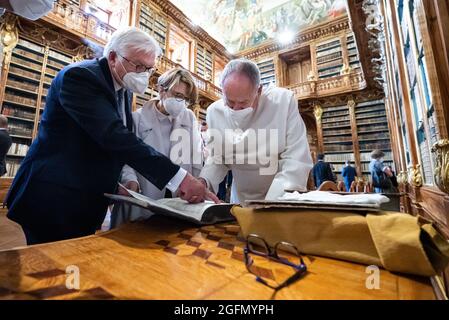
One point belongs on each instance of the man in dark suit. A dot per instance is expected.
(5, 143)
(348, 173)
(322, 171)
(85, 138)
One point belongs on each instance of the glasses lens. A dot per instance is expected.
(257, 246)
(287, 253)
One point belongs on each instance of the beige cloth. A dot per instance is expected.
(394, 241)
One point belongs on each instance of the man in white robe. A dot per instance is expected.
(258, 134)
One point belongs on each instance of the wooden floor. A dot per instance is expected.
(166, 259)
(11, 235)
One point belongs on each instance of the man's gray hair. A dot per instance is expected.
(242, 66)
(131, 38)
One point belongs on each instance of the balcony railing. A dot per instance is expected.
(326, 87)
(205, 87)
(76, 20)
(71, 17)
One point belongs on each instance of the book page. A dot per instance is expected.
(194, 210)
(176, 205)
(198, 212)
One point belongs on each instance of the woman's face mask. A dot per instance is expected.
(173, 106)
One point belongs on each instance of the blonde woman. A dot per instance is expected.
(160, 123)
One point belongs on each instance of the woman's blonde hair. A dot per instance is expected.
(179, 75)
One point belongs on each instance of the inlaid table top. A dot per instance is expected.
(164, 258)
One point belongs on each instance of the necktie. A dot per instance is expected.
(120, 105)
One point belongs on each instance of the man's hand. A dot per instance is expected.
(203, 181)
(194, 191)
(131, 185)
(212, 197)
(209, 195)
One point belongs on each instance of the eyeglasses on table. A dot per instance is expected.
(282, 252)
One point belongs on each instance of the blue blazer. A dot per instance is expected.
(348, 173)
(82, 144)
(322, 171)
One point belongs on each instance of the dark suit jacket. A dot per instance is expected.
(82, 146)
(322, 171)
(348, 173)
(5, 144)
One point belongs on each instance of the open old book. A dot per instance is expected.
(324, 200)
(203, 213)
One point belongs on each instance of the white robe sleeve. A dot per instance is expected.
(295, 161)
(214, 170)
(214, 174)
(197, 148)
(128, 174)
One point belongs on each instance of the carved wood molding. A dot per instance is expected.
(329, 87)
(441, 174)
(9, 36)
(356, 96)
(318, 112)
(46, 34)
(329, 28)
(435, 205)
(414, 176)
(368, 56)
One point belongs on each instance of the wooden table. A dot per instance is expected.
(167, 259)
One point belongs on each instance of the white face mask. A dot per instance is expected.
(173, 107)
(239, 117)
(32, 10)
(136, 82)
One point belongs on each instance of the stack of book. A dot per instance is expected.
(329, 57)
(154, 24)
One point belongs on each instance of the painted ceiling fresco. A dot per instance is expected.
(242, 24)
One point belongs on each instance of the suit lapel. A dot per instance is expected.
(107, 77)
